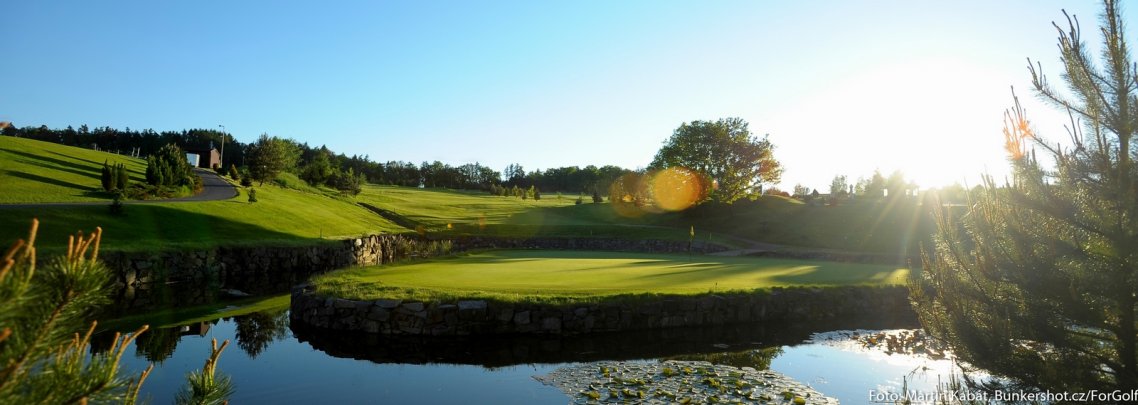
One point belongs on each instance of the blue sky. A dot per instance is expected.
(841, 87)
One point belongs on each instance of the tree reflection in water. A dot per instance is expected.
(256, 331)
(759, 359)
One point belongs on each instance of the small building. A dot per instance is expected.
(203, 157)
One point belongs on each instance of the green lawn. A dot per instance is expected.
(512, 275)
(452, 213)
(34, 171)
(897, 227)
(281, 216)
(870, 226)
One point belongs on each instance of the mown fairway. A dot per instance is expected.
(452, 212)
(517, 274)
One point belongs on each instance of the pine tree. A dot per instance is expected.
(1039, 281)
(122, 178)
(152, 171)
(233, 172)
(45, 349)
(106, 177)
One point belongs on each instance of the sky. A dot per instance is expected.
(840, 87)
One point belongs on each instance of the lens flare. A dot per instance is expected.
(675, 188)
(627, 196)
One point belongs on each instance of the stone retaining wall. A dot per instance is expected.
(196, 276)
(481, 317)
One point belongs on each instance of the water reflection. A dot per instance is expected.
(256, 331)
(758, 359)
(279, 363)
(499, 351)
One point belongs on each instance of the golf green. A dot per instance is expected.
(516, 274)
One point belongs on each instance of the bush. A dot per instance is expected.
(580, 200)
(168, 167)
(536, 194)
(252, 195)
(597, 199)
(116, 204)
(347, 182)
(233, 172)
(246, 179)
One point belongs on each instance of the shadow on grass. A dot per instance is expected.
(681, 269)
(48, 180)
(140, 227)
(58, 164)
(80, 159)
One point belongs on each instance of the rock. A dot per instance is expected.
(413, 306)
(340, 303)
(521, 318)
(551, 324)
(388, 304)
(233, 292)
(371, 326)
(471, 305)
(379, 314)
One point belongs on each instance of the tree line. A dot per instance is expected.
(269, 155)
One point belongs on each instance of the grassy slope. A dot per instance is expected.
(554, 275)
(878, 227)
(33, 171)
(305, 213)
(281, 216)
(897, 227)
(477, 213)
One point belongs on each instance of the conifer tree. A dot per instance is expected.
(122, 178)
(1038, 282)
(106, 177)
(45, 331)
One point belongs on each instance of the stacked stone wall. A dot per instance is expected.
(482, 317)
(196, 276)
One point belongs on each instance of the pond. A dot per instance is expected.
(271, 362)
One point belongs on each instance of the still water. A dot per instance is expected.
(271, 362)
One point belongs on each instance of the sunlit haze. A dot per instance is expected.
(840, 87)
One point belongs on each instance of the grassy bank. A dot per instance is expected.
(557, 276)
(37, 172)
(282, 216)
